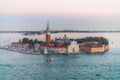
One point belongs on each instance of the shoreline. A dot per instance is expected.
(24, 52)
(34, 53)
(40, 53)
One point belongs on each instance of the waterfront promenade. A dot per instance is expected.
(26, 51)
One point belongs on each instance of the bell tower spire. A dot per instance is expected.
(48, 24)
(48, 28)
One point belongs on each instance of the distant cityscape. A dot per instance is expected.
(63, 31)
(59, 45)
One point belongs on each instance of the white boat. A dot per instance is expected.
(45, 50)
(50, 59)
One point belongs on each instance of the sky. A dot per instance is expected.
(63, 14)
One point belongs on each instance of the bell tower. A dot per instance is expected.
(48, 36)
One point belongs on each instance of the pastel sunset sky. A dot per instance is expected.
(64, 14)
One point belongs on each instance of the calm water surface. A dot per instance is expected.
(19, 66)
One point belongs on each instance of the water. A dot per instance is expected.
(58, 22)
(19, 66)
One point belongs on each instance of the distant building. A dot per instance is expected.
(63, 45)
(73, 47)
(65, 48)
(93, 47)
(37, 47)
(19, 45)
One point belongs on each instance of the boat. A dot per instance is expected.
(45, 50)
(50, 59)
(97, 74)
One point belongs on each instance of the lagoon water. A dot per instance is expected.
(19, 66)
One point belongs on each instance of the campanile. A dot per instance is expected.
(48, 36)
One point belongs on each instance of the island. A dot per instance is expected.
(60, 45)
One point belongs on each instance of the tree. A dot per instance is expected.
(35, 41)
(31, 43)
(25, 40)
(101, 40)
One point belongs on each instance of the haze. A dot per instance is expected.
(63, 14)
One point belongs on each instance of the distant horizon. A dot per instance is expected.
(8, 23)
(63, 30)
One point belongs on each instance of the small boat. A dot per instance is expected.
(97, 74)
(50, 59)
(45, 50)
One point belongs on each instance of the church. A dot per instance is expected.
(62, 46)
